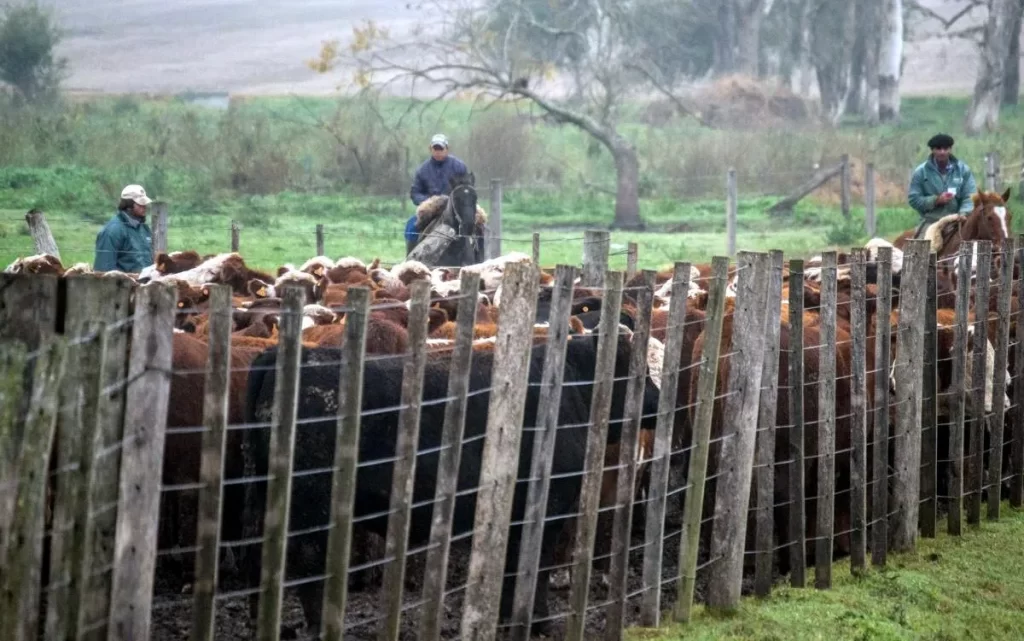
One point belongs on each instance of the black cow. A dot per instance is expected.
(382, 381)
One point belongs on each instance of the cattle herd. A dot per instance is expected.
(253, 355)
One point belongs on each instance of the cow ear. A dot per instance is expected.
(1006, 195)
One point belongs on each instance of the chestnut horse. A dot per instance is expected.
(989, 220)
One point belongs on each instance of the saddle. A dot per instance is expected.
(939, 232)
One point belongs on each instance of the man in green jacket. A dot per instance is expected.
(126, 243)
(941, 185)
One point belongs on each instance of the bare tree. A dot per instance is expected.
(1011, 80)
(983, 112)
(468, 50)
(832, 37)
(890, 60)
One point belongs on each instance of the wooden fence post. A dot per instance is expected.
(628, 450)
(844, 186)
(869, 199)
(929, 409)
(492, 244)
(593, 467)
(765, 454)
(990, 171)
(1009, 252)
(595, 257)
(90, 431)
(145, 417)
(631, 260)
(160, 224)
(976, 461)
(500, 461)
(654, 529)
(826, 424)
(798, 511)
(396, 541)
(732, 489)
(21, 545)
(215, 420)
(319, 239)
(909, 383)
(536, 248)
(958, 390)
(1017, 423)
(880, 431)
(346, 459)
(235, 233)
(548, 405)
(42, 238)
(280, 464)
(689, 543)
(859, 412)
(731, 206)
(28, 308)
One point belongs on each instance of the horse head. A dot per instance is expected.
(989, 220)
(462, 199)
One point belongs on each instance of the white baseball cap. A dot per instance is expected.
(136, 194)
(439, 139)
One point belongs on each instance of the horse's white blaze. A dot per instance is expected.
(1001, 212)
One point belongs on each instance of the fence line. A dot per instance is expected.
(399, 458)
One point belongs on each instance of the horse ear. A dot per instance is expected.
(471, 178)
(1006, 195)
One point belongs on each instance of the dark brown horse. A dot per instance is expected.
(989, 220)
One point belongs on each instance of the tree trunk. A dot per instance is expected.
(870, 24)
(627, 193)
(983, 112)
(1011, 79)
(890, 61)
(832, 46)
(858, 66)
(725, 43)
(749, 17)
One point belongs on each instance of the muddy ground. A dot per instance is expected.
(173, 606)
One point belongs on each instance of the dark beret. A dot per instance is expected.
(942, 141)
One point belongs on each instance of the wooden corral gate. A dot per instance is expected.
(85, 371)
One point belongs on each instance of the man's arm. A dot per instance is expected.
(419, 191)
(915, 195)
(108, 241)
(967, 189)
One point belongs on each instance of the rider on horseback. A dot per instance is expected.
(432, 178)
(941, 185)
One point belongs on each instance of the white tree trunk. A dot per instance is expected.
(871, 24)
(890, 58)
(749, 17)
(988, 90)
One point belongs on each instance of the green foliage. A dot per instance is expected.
(964, 587)
(28, 38)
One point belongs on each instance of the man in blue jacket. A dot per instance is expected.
(941, 185)
(432, 178)
(125, 243)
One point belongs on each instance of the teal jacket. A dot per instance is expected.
(927, 183)
(125, 244)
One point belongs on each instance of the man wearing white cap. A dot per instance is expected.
(432, 177)
(126, 243)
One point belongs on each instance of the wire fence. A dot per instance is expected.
(582, 456)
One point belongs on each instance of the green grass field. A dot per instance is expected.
(950, 588)
(281, 165)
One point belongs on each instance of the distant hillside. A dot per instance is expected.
(258, 46)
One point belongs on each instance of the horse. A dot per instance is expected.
(989, 220)
(459, 211)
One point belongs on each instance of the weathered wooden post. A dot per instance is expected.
(145, 417)
(880, 431)
(596, 243)
(160, 223)
(631, 260)
(319, 239)
(826, 423)
(732, 488)
(869, 199)
(42, 238)
(1017, 423)
(930, 408)
(858, 409)
(798, 511)
(731, 205)
(499, 462)
(536, 248)
(958, 390)
(976, 462)
(909, 384)
(235, 231)
(492, 244)
(1002, 346)
(844, 186)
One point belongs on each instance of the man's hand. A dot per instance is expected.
(943, 198)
